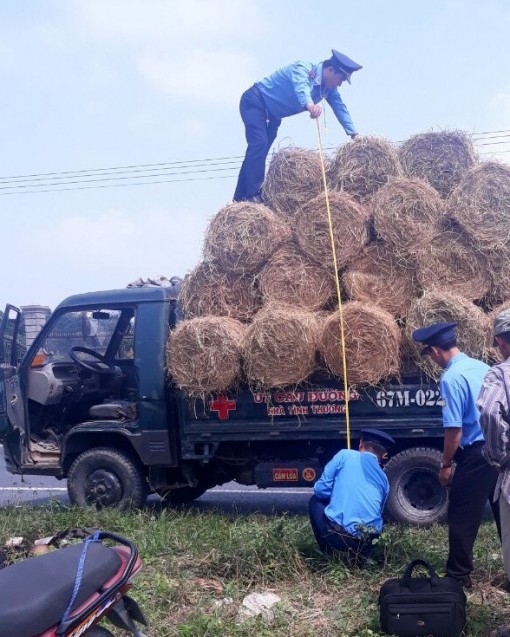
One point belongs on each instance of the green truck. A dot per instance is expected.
(91, 402)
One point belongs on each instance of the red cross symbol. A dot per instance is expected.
(223, 406)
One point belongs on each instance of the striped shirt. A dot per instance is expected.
(494, 405)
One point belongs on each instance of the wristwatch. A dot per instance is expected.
(446, 466)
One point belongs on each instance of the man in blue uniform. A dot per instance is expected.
(474, 479)
(292, 89)
(346, 508)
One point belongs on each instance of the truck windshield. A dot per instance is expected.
(92, 329)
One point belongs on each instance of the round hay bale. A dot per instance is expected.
(294, 177)
(499, 269)
(242, 237)
(377, 276)
(350, 228)
(408, 365)
(290, 278)
(451, 262)
(407, 213)
(372, 343)
(203, 354)
(440, 306)
(281, 346)
(363, 166)
(208, 291)
(441, 158)
(481, 203)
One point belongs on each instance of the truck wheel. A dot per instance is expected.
(104, 477)
(416, 496)
(184, 495)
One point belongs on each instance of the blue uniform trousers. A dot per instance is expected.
(261, 129)
(472, 485)
(332, 537)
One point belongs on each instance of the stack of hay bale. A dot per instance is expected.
(421, 234)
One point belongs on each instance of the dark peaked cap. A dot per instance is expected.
(435, 334)
(345, 64)
(377, 436)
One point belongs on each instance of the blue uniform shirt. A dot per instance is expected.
(288, 90)
(460, 385)
(357, 488)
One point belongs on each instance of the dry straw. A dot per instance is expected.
(407, 213)
(439, 158)
(376, 276)
(242, 237)
(203, 355)
(350, 228)
(408, 356)
(362, 167)
(494, 353)
(281, 346)
(481, 203)
(499, 267)
(441, 306)
(451, 262)
(291, 278)
(372, 343)
(294, 176)
(207, 290)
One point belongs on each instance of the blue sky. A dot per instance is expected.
(91, 84)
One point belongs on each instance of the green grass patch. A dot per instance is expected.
(198, 567)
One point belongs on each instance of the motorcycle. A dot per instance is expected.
(67, 592)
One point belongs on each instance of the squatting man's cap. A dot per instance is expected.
(501, 323)
(377, 436)
(435, 334)
(344, 64)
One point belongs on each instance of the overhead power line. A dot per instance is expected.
(176, 171)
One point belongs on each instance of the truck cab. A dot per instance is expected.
(93, 379)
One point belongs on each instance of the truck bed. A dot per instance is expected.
(410, 408)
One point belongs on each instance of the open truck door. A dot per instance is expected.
(12, 411)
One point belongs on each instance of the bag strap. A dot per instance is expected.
(410, 567)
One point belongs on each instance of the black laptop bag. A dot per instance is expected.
(422, 606)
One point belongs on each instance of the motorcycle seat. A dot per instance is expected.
(35, 593)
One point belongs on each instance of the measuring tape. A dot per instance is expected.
(337, 281)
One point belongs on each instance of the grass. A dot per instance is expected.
(198, 567)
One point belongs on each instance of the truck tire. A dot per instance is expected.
(105, 477)
(416, 496)
(184, 495)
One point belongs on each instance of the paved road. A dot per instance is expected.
(230, 497)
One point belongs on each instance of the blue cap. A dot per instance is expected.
(435, 334)
(345, 64)
(377, 436)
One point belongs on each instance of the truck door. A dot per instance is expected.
(12, 411)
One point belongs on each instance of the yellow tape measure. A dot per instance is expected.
(337, 281)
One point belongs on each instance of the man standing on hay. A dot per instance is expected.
(290, 90)
(474, 480)
(494, 405)
(346, 508)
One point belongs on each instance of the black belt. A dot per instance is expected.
(463, 451)
(336, 527)
(257, 92)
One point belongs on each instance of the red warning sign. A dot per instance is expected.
(285, 475)
(309, 474)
